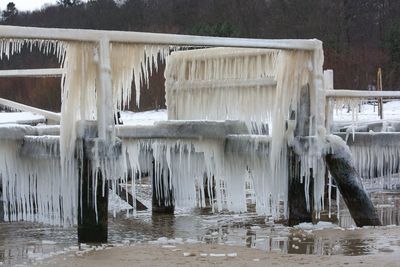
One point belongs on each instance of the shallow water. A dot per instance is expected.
(27, 243)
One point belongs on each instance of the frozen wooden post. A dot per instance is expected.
(163, 195)
(298, 210)
(328, 82)
(1, 205)
(93, 217)
(93, 201)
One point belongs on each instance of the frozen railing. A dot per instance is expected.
(104, 38)
(352, 98)
(33, 73)
(375, 155)
(98, 48)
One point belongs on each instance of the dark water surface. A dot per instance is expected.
(27, 243)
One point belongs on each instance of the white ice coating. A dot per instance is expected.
(258, 86)
(377, 165)
(31, 188)
(190, 168)
(133, 62)
(353, 105)
(221, 84)
(46, 190)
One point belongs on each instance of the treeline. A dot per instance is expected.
(359, 35)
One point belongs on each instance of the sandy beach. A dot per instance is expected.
(212, 255)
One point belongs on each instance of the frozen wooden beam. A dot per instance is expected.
(55, 117)
(201, 84)
(183, 129)
(46, 146)
(247, 144)
(152, 38)
(32, 73)
(18, 132)
(366, 138)
(361, 93)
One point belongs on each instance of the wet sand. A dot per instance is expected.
(195, 255)
(202, 254)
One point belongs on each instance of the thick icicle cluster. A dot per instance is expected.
(378, 165)
(192, 168)
(352, 104)
(222, 83)
(46, 190)
(9, 47)
(32, 188)
(256, 86)
(133, 62)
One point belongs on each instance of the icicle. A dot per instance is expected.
(377, 164)
(257, 86)
(133, 62)
(221, 83)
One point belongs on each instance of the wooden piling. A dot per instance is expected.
(297, 207)
(93, 202)
(162, 199)
(1, 205)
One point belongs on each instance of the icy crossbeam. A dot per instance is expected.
(18, 106)
(183, 130)
(360, 93)
(247, 144)
(33, 73)
(366, 139)
(18, 132)
(45, 147)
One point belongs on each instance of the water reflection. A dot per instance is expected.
(24, 242)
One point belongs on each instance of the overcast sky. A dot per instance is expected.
(24, 5)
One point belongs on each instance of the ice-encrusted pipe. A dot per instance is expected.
(341, 166)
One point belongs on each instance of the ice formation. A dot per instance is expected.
(258, 86)
(47, 190)
(31, 189)
(353, 105)
(221, 84)
(378, 165)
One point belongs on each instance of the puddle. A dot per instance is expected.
(23, 243)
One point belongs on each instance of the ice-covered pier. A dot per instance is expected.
(238, 110)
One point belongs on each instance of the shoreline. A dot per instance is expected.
(210, 255)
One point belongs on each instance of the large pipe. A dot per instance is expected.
(341, 167)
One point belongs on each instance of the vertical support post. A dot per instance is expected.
(93, 200)
(93, 191)
(328, 82)
(105, 114)
(298, 211)
(1, 204)
(163, 196)
(379, 88)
